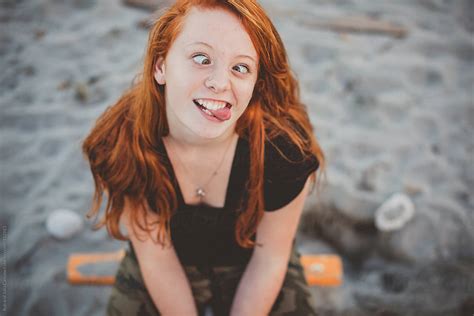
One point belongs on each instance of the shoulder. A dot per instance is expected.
(284, 160)
(286, 170)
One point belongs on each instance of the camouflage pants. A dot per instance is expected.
(211, 286)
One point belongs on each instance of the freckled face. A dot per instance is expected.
(209, 74)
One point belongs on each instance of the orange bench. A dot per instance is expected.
(321, 270)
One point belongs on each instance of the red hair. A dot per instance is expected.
(121, 146)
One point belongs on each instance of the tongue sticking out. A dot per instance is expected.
(222, 114)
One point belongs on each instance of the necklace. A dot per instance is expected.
(200, 191)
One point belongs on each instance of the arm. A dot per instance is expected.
(265, 272)
(162, 272)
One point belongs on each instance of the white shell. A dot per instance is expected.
(394, 213)
(63, 223)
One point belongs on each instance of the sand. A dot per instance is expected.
(392, 115)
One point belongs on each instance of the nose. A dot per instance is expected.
(218, 81)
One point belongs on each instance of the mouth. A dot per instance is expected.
(219, 110)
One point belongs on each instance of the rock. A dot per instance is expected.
(414, 289)
(149, 21)
(367, 180)
(327, 223)
(357, 206)
(463, 11)
(29, 70)
(115, 32)
(467, 306)
(93, 79)
(82, 93)
(90, 93)
(416, 243)
(144, 24)
(344, 218)
(394, 213)
(412, 188)
(439, 231)
(64, 223)
(393, 282)
(39, 33)
(65, 84)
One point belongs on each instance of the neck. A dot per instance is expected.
(193, 143)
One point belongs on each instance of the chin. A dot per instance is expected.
(210, 132)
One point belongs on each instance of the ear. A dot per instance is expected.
(160, 71)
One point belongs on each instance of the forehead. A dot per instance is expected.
(219, 28)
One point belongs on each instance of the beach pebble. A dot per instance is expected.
(82, 93)
(394, 213)
(413, 189)
(63, 223)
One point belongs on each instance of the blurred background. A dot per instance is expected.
(389, 89)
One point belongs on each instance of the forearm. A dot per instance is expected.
(259, 286)
(169, 288)
(161, 269)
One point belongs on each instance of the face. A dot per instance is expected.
(209, 74)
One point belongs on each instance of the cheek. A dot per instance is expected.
(183, 88)
(196, 78)
(183, 79)
(245, 92)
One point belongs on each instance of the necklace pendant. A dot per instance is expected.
(200, 193)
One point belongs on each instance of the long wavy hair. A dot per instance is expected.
(121, 147)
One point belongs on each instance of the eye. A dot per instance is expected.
(242, 68)
(201, 59)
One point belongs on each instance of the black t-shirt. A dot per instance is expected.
(203, 234)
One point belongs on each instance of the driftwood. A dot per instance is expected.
(359, 24)
(149, 5)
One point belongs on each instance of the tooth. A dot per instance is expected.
(211, 105)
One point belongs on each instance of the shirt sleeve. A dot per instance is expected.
(286, 171)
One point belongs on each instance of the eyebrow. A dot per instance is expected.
(206, 44)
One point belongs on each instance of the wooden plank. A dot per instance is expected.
(77, 260)
(320, 270)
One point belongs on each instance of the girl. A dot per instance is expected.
(206, 162)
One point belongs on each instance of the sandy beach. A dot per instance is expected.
(394, 112)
